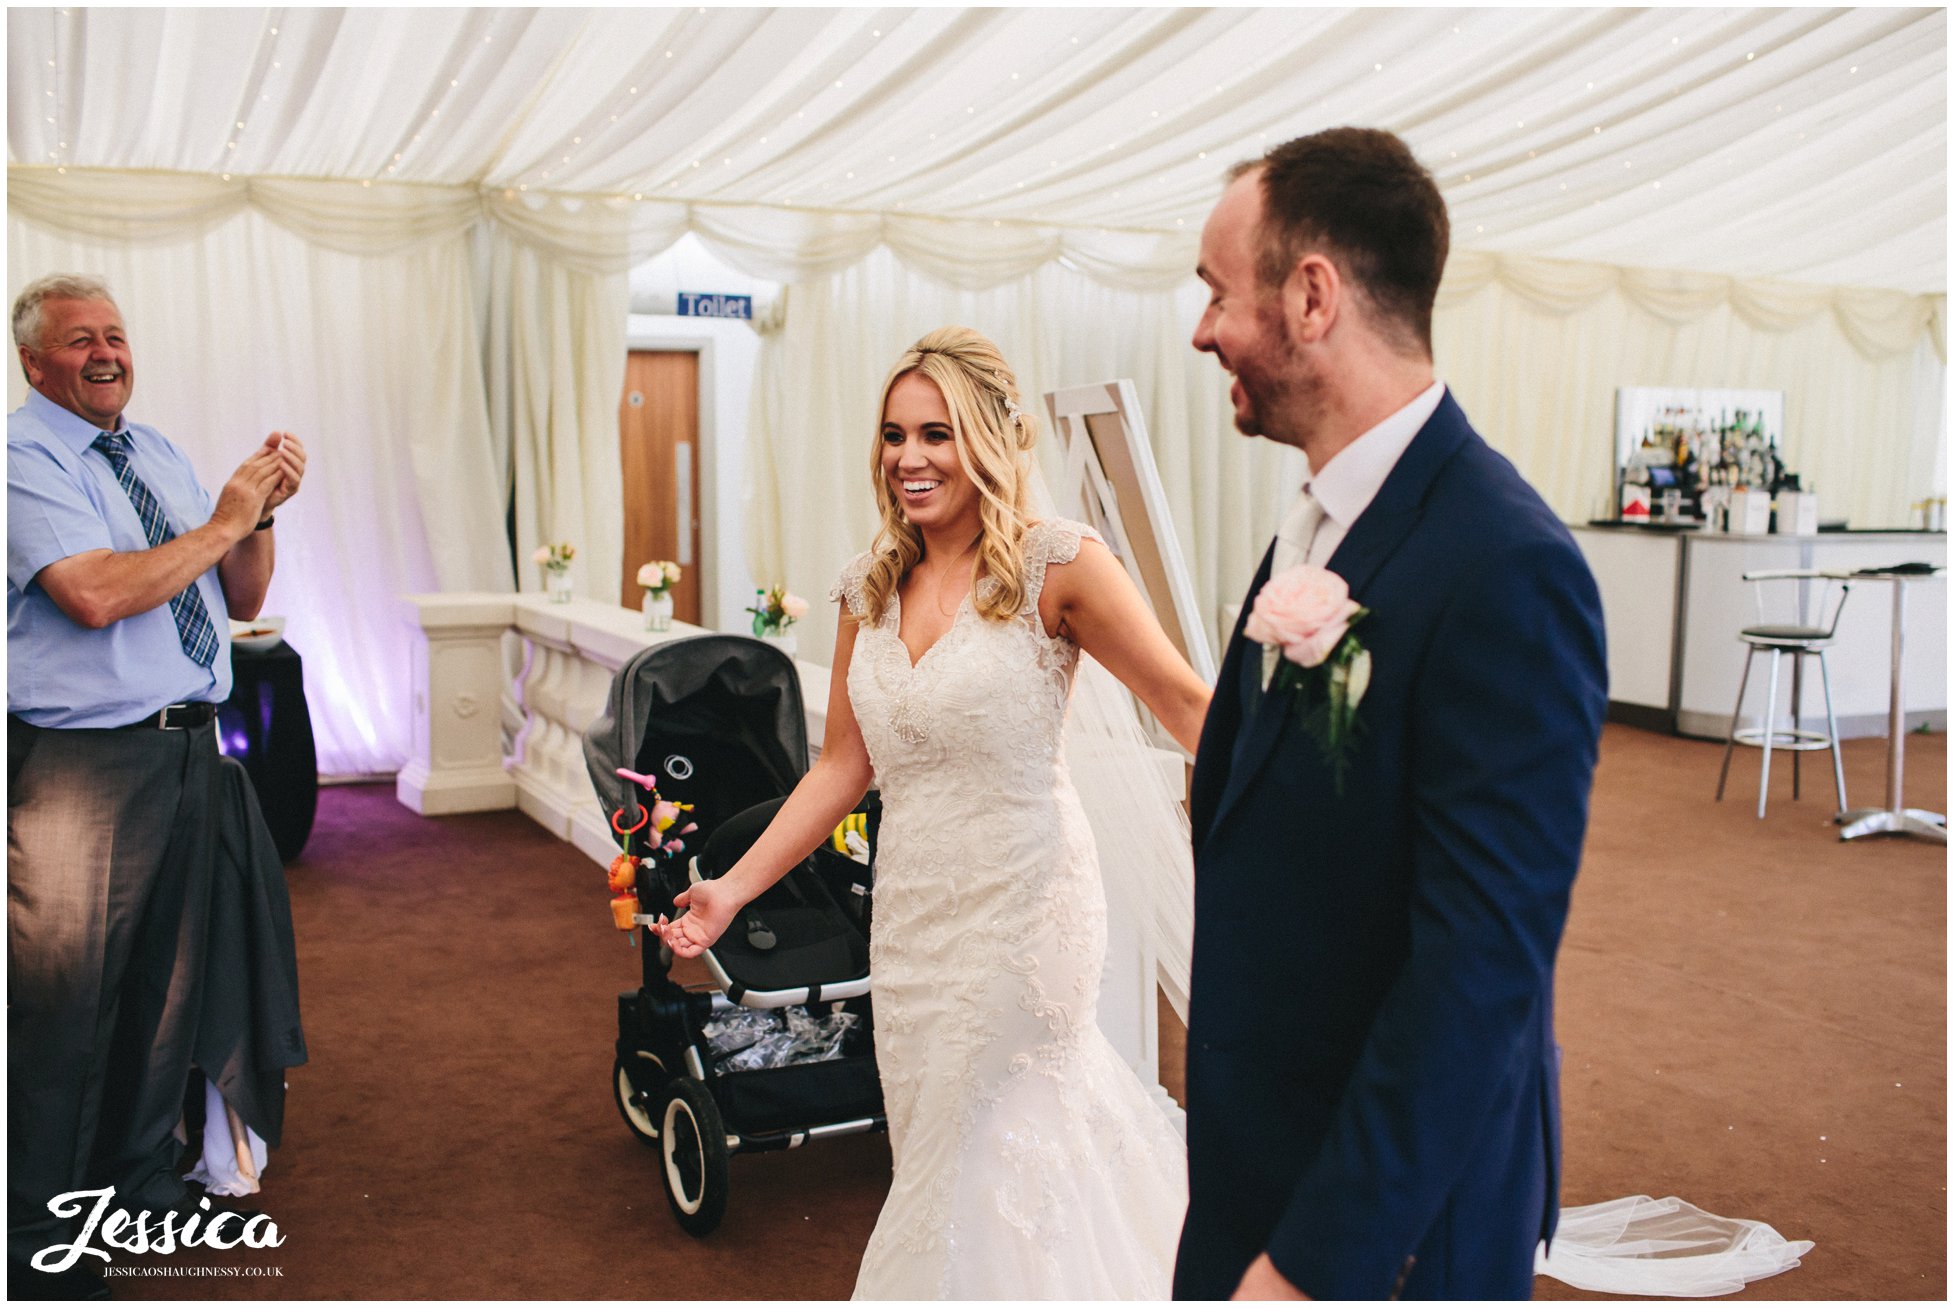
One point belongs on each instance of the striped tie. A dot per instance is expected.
(193, 625)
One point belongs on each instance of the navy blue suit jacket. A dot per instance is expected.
(1372, 1076)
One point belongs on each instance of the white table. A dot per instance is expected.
(1895, 819)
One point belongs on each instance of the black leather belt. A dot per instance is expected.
(175, 717)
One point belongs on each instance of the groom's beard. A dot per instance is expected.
(1281, 395)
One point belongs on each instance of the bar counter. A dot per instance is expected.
(1675, 599)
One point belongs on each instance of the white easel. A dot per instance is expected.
(1111, 482)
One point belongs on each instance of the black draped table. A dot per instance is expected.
(266, 726)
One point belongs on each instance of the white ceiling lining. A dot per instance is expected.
(1774, 157)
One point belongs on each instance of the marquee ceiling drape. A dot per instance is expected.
(1798, 144)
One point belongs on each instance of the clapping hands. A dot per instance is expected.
(265, 480)
(290, 456)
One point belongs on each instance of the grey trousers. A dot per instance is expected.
(109, 849)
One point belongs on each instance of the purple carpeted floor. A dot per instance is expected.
(1754, 1018)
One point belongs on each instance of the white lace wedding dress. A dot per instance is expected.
(1029, 1161)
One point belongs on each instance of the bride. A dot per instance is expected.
(1029, 1160)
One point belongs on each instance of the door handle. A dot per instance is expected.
(682, 479)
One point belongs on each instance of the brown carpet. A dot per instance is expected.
(1754, 1017)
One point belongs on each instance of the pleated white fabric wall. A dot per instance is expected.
(1534, 366)
(405, 233)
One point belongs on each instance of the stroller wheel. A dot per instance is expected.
(635, 1105)
(692, 1143)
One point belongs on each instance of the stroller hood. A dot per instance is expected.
(740, 690)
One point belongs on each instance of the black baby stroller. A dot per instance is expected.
(778, 1051)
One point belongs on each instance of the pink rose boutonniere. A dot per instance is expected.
(1303, 619)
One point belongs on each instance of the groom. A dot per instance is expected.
(1372, 1081)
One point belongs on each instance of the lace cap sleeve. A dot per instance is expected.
(849, 588)
(1055, 540)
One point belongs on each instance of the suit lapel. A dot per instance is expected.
(1224, 725)
(1261, 727)
(1401, 499)
(1378, 531)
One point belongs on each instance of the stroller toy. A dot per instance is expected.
(718, 720)
(655, 819)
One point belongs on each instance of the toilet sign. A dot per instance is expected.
(704, 304)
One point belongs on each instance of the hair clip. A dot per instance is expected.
(1012, 411)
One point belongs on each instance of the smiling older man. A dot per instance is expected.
(121, 574)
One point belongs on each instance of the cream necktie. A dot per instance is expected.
(1297, 532)
(1293, 539)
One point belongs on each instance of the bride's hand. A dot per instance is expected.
(1263, 1281)
(711, 905)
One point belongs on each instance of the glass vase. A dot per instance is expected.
(658, 610)
(558, 585)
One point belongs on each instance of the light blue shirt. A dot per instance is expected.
(63, 499)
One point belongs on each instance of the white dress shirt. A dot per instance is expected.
(1335, 498)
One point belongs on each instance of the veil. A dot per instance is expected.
(1641, 1246)
(1132, 791)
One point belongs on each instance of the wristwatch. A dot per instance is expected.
(266, 524)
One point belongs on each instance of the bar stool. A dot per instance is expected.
(1800, 641)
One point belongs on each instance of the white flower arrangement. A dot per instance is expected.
(659, 576)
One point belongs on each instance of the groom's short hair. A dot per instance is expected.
(1359, 195)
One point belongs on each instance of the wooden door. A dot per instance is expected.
(658, 437)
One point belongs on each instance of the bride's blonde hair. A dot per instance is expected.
(993, 435)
